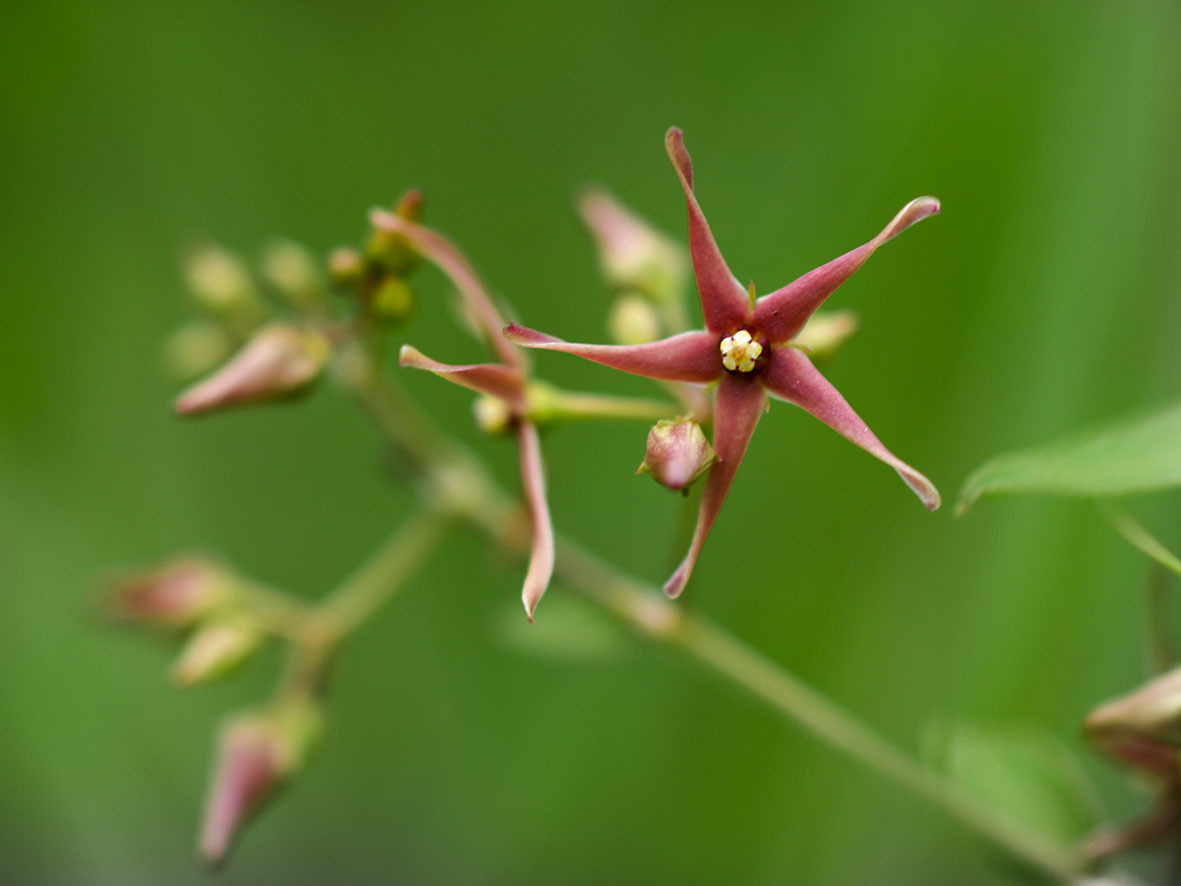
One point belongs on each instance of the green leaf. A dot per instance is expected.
(1024, 773)
(1140, 453)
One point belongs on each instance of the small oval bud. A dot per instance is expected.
(196, 348)
(346, 267)
(493, 415)
(220, 282)
(292, 271)
(256, 754)
(175, 596)
(678, 453)
(215, 650)
(633, 321)
(632, 254)
(392, 301)
(277, 362)
(823, 334)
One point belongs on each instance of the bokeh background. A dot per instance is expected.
(460, 747)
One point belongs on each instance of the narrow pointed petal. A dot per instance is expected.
(740, 403)
(690, 356)
(791, 376)
(541, 560)
(723, 299)
(783, 313)
(505, 382)
(452, 263)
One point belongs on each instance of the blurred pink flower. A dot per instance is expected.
(745, 349)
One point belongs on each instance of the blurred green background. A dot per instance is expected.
(1044, 297)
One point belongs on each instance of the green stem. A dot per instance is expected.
(647, 610)
(371, 586)
(1140, 538)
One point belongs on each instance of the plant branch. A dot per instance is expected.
(472, 494)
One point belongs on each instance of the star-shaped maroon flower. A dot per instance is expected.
(745, 348)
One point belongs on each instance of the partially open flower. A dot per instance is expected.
(504, 382)
(277, 362)
(257, 753)
(174, 596)
(678, 453)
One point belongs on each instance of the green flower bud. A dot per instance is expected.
(293, 272)
(392, 301)
(215, 650)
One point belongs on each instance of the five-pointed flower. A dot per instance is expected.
(745, 349)
(505, 381)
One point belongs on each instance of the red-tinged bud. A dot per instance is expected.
(293, 272)
(257, 753)
(215, 650)
(1143, 729)
(410, 205)
(174, 596)
(277, 362)
(391, 251)
(346, 267)
(678, 453)
(632, 254)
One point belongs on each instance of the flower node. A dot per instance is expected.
(741, 352)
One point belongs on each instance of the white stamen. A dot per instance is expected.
(740, 351)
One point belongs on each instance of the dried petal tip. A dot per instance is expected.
(275, 363)
(910, 214)
(174, 596)
(256, 754)
(678, 453)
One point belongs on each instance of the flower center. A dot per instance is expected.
(740, 351)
